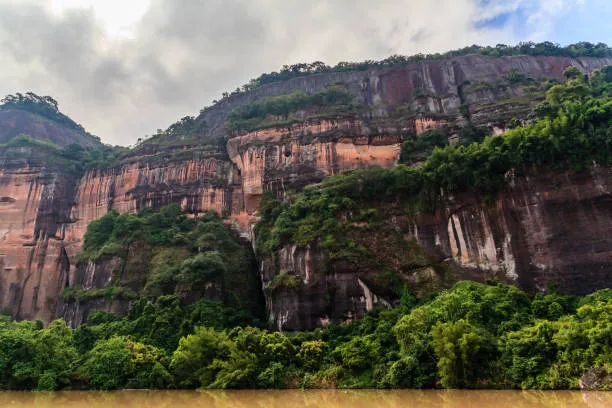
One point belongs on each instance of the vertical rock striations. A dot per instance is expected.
(545, 230)
(34, 208)
(288, 159)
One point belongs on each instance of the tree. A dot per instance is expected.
(204, 268)
(528, 353)
(109, 364)
(192, 360)
(57, 354)
(463, 351)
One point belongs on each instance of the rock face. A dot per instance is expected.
(546, 229)
(44, 211)
(433, 87)
(597, 379)
(34, 209)
(197, 184)
(90, 276)
(281, 160)
(44, 215)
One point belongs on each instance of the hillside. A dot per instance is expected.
(39, 117)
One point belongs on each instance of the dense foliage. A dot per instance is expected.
(167, 253)
(581, 49)
(573, 132)
(473, 336)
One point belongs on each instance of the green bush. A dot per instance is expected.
(418, 149)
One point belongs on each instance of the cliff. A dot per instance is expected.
(546, 230)
(430, 87)
(34, 210)
(45, 209)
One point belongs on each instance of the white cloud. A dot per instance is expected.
(125, 68)
(118, 17)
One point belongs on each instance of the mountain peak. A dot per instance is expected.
(40, 118)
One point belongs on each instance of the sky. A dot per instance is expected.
(124, 68)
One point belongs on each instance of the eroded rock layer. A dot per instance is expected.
(288, 159)
(34, 265)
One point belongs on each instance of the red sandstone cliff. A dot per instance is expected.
(33, 260)
(44, 211)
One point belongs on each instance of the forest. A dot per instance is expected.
(470, 336)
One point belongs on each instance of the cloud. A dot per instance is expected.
(178, 56)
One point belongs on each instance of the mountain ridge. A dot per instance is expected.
(202, 165)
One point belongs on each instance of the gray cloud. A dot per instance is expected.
(185, 53)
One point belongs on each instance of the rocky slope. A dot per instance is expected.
(44, 210)
(39, 118)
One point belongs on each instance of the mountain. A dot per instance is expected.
(39, 117)
(275, 139)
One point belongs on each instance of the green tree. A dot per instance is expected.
(192, 361)
(463, 352)
(109, 364)
(528, 353)
(58, 355)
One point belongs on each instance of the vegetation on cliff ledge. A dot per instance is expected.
(44, 106)
(73, 159)
(167, 253)
(85, 151)
(471, 336)
(572, 132)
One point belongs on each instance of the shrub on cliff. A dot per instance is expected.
(177, 263)
(418, 149)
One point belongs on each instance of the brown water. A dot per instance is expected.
(310, 398)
